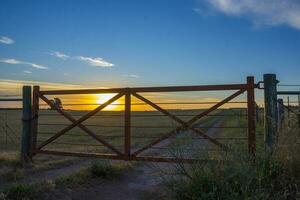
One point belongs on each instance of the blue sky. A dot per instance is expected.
(121, 43)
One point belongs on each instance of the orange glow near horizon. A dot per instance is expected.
(137, 105)
(102, 98)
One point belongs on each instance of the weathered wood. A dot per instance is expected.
(26, 125)
(251, 115)
(271, 111)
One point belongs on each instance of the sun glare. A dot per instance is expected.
(102, 98)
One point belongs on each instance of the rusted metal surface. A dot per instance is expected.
(288, 92)
(11, 99)
(127, 92)
(78, 122)
(127, 123)
(35, 117)
(150, 89)
(183, 126)
(251, 115)
(190, 122)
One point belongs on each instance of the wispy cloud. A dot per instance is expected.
(99, 62)
(18, 62)
(59, 55)
(27, 72)
(131, 75)
(8, 86)
(260, 12)
(6, 40)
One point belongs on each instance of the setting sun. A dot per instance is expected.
(102, 98)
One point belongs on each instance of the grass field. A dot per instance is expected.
(109, 125)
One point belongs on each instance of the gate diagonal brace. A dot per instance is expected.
(78, 123)
(187, 124)
(183, 123)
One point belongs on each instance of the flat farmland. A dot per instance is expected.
(146, 126)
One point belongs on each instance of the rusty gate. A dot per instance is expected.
(127, 152)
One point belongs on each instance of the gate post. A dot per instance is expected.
(35, 112)
(251, 115)
(127, 124)
(271, 110)
(26, 125)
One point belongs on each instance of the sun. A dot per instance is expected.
(102, 98)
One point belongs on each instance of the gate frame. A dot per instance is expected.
(248, 87)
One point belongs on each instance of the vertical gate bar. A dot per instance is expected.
(26, 123)
(35, 115)
(251, 115)
(127, 124)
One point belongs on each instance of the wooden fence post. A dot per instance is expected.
(26, 125)
(271, 111)
(35, 113)
(127, 124)
(251, 115)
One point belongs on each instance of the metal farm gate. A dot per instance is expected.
(43, 105)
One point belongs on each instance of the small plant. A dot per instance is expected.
(105, 171)
(72, 180)
(96, 170)
(21, 192)
(2, 196)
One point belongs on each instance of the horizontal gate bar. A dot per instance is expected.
(288, 92)
(11, 99)
(149, 89)
(116, 157)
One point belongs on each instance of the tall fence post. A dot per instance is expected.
(26, 125)
(127, 123)
(251, 115)
(35, 113)
(271, 111)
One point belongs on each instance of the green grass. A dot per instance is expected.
(269, 176)
(109, 126)
(96, 171)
